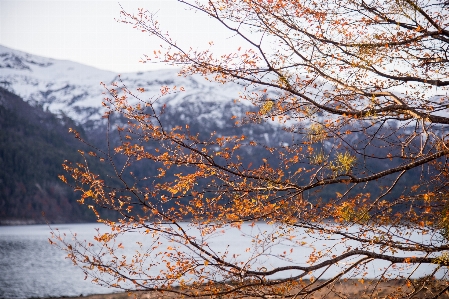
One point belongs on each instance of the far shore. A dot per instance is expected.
(349, 289)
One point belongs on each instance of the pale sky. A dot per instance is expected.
(86, 32)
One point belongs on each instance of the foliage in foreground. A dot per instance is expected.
(374, 70)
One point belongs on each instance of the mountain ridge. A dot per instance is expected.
(57, 96)
(75, 89)
(64, 93)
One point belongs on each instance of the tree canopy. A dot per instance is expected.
(361, 89)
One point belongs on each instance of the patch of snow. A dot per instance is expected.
(76, 90)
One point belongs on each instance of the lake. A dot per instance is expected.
(31, 267)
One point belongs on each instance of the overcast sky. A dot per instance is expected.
(86, 32)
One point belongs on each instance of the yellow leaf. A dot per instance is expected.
(62, 178)
(88, 193)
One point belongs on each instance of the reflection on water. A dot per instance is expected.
(31, 267)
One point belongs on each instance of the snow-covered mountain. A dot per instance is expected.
(75, 89)
(36, 142)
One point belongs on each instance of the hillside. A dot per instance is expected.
(42, 97)
(33, 145)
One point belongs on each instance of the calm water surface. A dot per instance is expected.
(31, 267)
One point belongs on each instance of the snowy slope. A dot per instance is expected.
(75, 90)
(57, 85)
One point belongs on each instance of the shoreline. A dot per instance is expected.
(351, 288)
